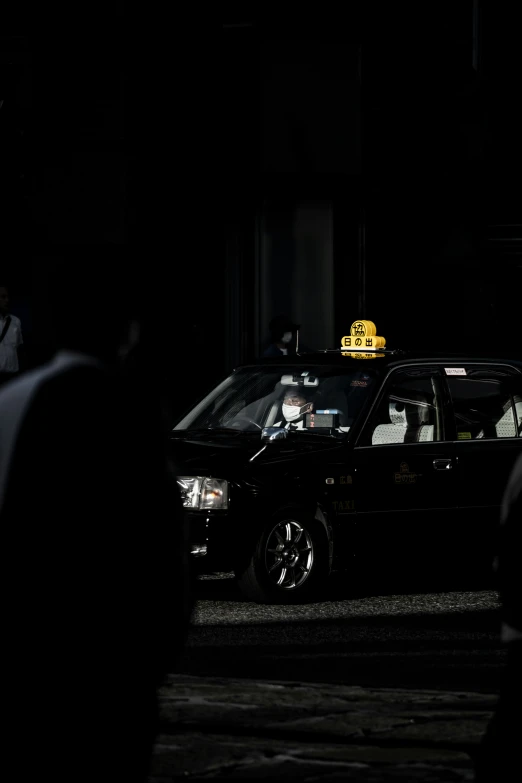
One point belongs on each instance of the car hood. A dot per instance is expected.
(212, 452)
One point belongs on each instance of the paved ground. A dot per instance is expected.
(221, 728)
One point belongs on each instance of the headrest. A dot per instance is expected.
(410, 411)
(397, 412)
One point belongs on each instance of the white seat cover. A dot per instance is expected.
(425, 433)
(506, 426)
(388, 433)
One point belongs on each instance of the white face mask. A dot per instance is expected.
(293, 412)
(286, 337)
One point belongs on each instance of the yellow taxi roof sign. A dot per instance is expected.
(363, 337)
(363, 328)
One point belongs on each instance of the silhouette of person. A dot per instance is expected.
(499, 753)
(283, 338)
(96, 586)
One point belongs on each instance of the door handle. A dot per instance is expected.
(442, 464)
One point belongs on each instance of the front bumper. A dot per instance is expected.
(213, 540)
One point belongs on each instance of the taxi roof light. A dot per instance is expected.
(363, 342)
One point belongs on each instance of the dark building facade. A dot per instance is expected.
(380, 160)
(328, 168)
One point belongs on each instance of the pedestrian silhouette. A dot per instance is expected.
(283, 338)
(96, 588)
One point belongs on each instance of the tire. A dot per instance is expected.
(289, 562)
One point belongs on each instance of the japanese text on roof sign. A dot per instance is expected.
(363, 335)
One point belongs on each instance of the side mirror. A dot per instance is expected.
(269, 434)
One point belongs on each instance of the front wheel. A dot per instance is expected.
(289, 562)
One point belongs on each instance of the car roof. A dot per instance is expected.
(385, 362)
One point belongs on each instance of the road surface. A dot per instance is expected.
(445, 639)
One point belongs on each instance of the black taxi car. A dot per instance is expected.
(296, 466)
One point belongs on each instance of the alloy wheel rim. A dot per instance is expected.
(289, 555)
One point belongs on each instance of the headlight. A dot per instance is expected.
(203, 493)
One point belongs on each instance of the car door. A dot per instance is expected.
(486, 404)
(404, 477)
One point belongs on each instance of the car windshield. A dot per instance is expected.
(311, 398)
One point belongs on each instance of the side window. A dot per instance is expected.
(484, 407)
(409, 410)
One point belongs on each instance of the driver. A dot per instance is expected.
(297, 402)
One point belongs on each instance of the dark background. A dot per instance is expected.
(329, 166)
